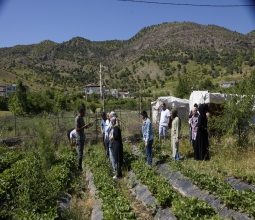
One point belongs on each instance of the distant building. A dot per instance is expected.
(5, 89)
(92, 88)
(227, 84)
(112, 92)
(125, 95)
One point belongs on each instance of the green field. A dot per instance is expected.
(5, 113)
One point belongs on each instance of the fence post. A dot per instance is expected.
(96, 127)
(15, 124)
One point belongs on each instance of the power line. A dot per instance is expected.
(182, 4)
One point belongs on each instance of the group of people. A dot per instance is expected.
(170, 120)
(112, 138)
(198, 131)
(167, 120)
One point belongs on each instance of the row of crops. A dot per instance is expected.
(231, 203)
(31, 183)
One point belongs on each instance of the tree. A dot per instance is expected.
(18, 100)
(183, 87)
(206, 85)
(179, 66)
(239, 61)
(204, 71)
(93, 107)
(60, 102)
(39, 102)
(3, 103)
(238, 110)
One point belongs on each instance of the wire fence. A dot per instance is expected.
(24, 127)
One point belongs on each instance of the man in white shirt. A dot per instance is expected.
(164, 121)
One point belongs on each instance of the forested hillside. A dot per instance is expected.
(153, 58)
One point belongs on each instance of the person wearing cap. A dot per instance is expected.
(117, 147)
(147, 136)
(175, 134)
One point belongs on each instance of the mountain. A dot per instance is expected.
(153, 53)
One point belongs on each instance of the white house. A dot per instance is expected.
(227, 84)
(125, 95)
(5, 89)
(93, 88)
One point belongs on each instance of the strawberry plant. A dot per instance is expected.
(234, 199)
(182, 207)
(115, 205)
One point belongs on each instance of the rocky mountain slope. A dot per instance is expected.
(76, 62)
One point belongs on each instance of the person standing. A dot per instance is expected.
(175, 134)
(80, 135)
(190, 128)
(109, 133)
(163, 123)
(116, 139)
(102, 127)
(147, 136)
(202, 142)
(193, 125)
(106, 135)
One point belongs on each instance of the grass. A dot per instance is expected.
(5, 113)
(226, 160)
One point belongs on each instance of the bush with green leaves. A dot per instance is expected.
(237, 111)
(7, 158)
(30, 187)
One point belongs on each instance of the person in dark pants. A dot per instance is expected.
(147, 136)
(106, 135)
(116, 138)
(80, 135)
(202, 142)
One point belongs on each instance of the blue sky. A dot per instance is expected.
(24, 22)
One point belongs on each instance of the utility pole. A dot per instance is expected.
(103, 97)
(86, 99)
(101, 92)
(140, 104)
